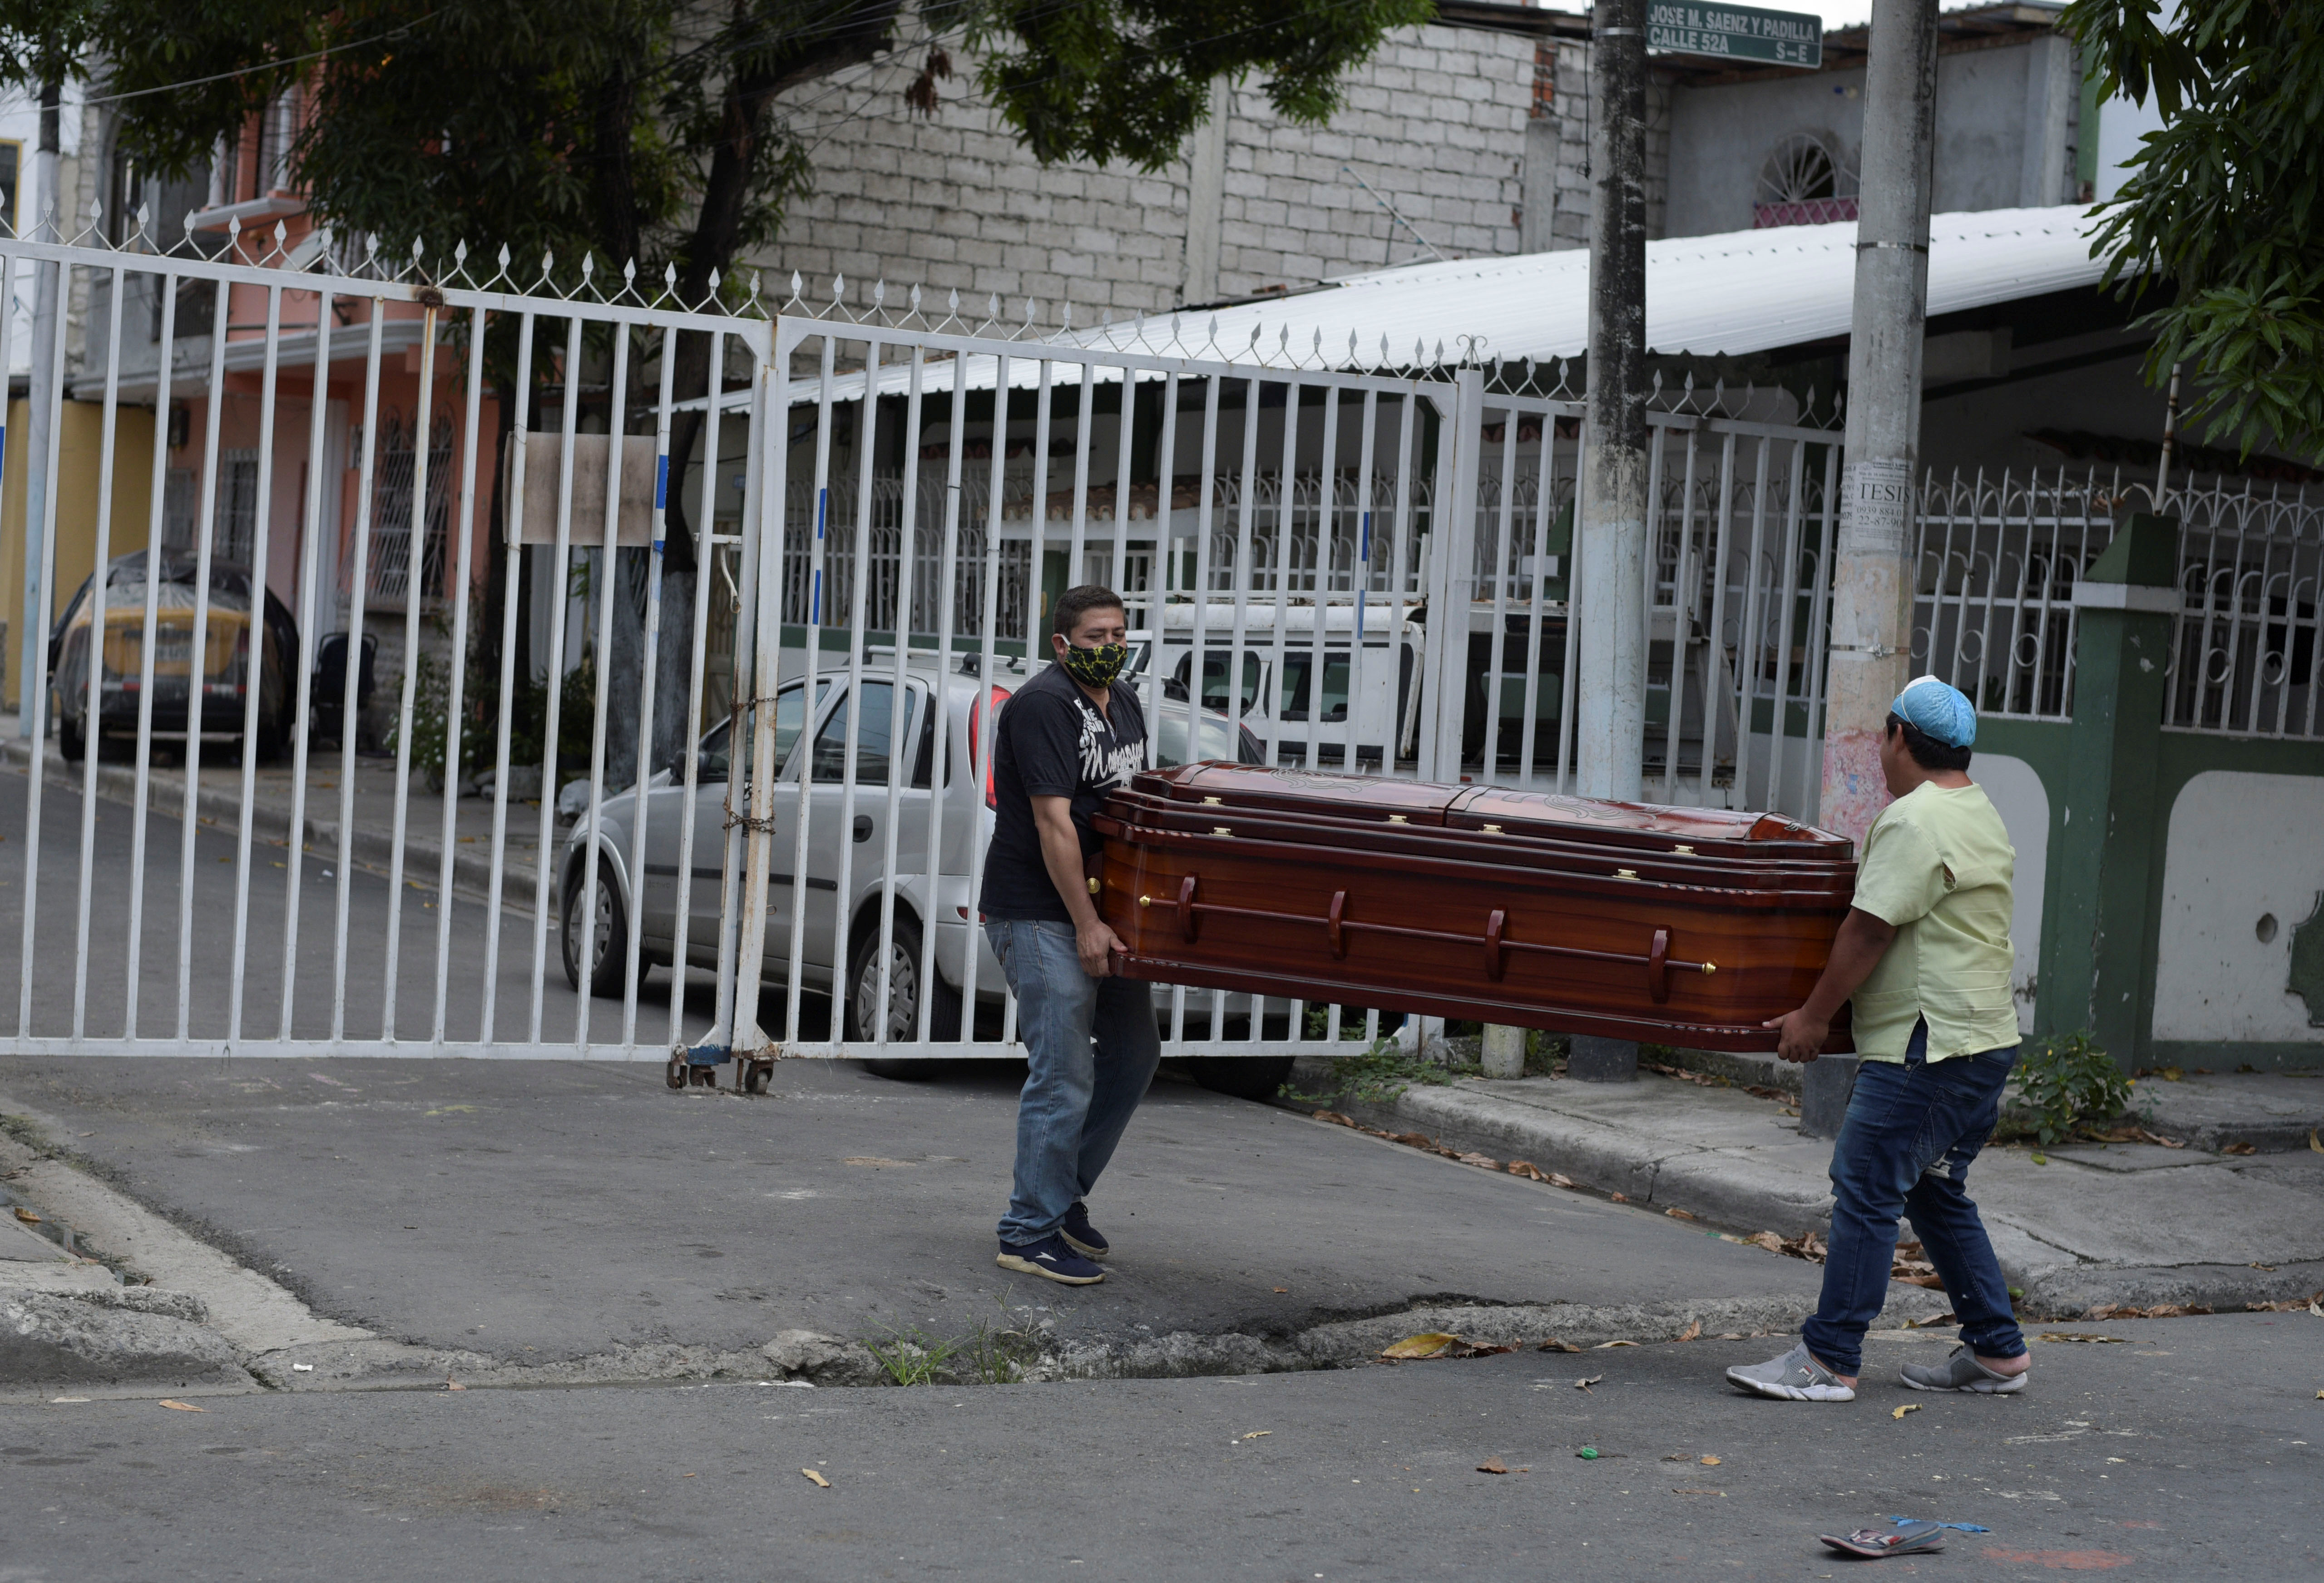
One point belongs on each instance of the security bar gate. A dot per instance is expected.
(607, 803)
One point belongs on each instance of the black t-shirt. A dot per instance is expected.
(1052, 742)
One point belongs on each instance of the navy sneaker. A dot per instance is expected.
(1052, 1259)
(1082, 1237)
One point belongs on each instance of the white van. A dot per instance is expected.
(1346, 696)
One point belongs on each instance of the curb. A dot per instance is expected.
(1739, 1194)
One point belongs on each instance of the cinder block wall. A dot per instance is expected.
(1436, 123)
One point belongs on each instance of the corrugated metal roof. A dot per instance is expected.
(1743, 291)
(1740, 292)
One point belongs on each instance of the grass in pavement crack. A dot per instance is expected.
(991, 1354)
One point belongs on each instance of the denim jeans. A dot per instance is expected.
(1092, 1047)
(1905, 1147)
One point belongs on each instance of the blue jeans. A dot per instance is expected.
(1905, 1149)
(1092, 1047)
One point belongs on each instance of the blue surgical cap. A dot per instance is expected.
(1938, 710)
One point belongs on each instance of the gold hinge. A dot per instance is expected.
(1625, 873)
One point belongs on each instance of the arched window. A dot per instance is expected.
(1805, 181)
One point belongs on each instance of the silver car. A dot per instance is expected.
(811, 740)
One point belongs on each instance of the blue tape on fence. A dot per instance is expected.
(661, 481)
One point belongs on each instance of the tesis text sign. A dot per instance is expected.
(1738, 32)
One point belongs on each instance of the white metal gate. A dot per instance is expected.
(1356, 572)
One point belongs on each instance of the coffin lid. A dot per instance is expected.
(1381, 799)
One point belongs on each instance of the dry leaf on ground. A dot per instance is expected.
(1678, 1214)
(1257, 1434)
(1334, 1118)
(1604, 1345)
(1907, 1407)
(2240, 1148)
(1691, 1332)
(2315, 1142)
(183, 1406)
(1427, 1344)
(1585, 1384)
(1554, 1345)
(1492, 1465)
(27, 1215)
(820, 1481)
(1440, 1344)
(1485, 1161)
(2089, 1336)
(1619, 1198)
(1707, 1461)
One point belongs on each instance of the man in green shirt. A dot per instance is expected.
(1923, 961)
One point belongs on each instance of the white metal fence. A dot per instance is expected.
(1366, 572)
(1999, 560)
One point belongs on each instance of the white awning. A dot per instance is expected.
(1741, 292)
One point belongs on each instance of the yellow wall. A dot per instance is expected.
(79, 450)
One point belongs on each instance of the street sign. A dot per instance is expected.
(1737, 33)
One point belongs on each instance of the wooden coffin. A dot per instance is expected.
(1682, 926)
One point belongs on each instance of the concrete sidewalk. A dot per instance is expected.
(2075, 1226)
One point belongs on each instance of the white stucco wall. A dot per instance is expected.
(2019, 797)
(2242, 848)
(1991, 103)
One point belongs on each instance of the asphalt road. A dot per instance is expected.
(2186, 1453)
(538, 1211)
(320, 997)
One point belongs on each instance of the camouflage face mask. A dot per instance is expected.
(1095, 667)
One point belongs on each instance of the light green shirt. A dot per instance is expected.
(1938, 864)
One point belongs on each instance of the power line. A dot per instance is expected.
(169, 87)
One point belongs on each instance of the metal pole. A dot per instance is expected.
(1875, 577)
(44, 344)
(1610, 544)
(1872, 593)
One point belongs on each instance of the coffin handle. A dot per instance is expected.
(1496, 961)
(1189, 925)
(1334, 923)
(1658, 967)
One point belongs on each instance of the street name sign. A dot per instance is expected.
(1737, 33)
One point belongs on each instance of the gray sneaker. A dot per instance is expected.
(1961, 1372)
(1795, 1377)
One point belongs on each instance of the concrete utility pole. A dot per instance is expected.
(36, 450)
(1872, 593)
(1611, 546)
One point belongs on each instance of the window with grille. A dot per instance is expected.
(237, 508)
(391, 568)
(1805, 181)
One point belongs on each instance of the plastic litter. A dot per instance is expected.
(1903, 1537)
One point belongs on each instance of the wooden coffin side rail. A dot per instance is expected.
(1495, 942)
